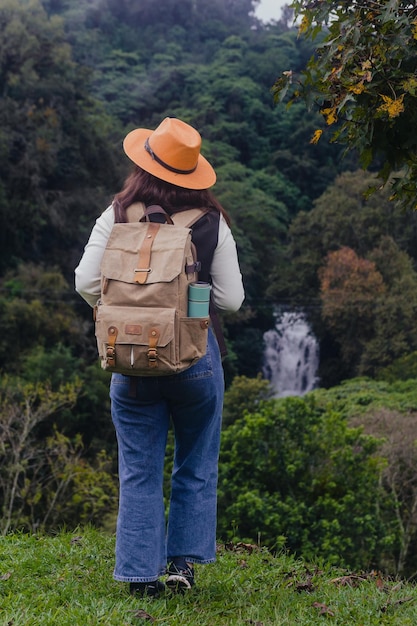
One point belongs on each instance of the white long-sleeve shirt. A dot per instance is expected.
(227, 285)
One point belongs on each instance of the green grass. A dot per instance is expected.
(66, 580)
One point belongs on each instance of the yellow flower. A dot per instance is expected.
(330, 115)
(316, 136)
(392, 106)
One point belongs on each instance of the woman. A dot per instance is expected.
(169, 171)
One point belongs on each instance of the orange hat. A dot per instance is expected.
(172, 153)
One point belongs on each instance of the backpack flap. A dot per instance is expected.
(161, 246)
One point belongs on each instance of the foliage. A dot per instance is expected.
(388, 410)
(362, 80)
(349, 287)
(296, 473)
(34, 313)
(357, 396)
(66, 579)
(376, 330)
(403, 368)
(399, 477)
(330, 475)
(244, 396)
(54, 138)
(44, 483)
(377, 230)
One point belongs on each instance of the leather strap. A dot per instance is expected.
(111, 346)
(144, 260)
(154, 335)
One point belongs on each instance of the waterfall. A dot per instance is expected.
(291, 355)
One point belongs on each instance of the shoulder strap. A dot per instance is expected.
(135, 211)
(188, 218)
(155, 209)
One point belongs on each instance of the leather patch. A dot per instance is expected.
(133, 329)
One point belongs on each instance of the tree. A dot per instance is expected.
(45, 478)
(395, 329)
(34, 313)
(55, 157)
(362, 80)
(341, 216)
(377, 230)
(350, 287)
(398, 476)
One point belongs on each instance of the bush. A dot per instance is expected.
(292, 469)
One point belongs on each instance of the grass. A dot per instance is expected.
(66, 580)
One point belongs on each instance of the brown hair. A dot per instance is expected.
(140, 186)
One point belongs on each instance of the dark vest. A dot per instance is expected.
(205, 235)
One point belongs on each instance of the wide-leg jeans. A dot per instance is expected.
(193, 400)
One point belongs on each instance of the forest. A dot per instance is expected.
(75, 77)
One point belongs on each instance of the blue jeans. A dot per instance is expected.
(194, 402)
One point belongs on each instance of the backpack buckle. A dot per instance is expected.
(152, 357)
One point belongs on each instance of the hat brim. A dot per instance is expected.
(202, 177)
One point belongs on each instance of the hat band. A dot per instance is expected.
(161, 162)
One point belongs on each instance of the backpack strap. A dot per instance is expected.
(135, 211)
(188, 218)
(155, 209)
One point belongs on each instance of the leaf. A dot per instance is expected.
(324, 609)
(410, 85)
(304, 26)
(76, 540)
(396, 603)
(281, 86)
(330, 115)
(305, 586)
(393, 106)
(241, 546)
(366, 158)
(351, 580)
(141, 614)
(316, 136)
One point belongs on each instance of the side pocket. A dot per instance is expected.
(193, 338)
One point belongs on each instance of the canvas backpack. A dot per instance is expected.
(141, 321)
